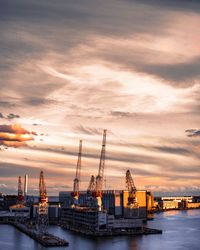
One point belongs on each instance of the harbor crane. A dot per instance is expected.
(19, 215)
(42, 215)
(99, 179)
(132, 199)
(20, 197)
(75, 193)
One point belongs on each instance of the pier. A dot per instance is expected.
(115, 232)
(47, 240)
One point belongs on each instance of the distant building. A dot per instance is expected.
(8, 200)
(174, 202)
(1, 201)
(53, 212)
(20, 210)
(196, 199)
(177, 198)
(193, 205)
(169, 204)
(65, 198)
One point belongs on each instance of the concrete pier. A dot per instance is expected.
(115, 232)
(47, 240)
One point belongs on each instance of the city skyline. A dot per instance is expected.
(70, 70)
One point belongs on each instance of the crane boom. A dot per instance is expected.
(78, 173)
(99, 178)
(129, 182)
(132, 200)
(91, 187)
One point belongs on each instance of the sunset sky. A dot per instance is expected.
(70, 69)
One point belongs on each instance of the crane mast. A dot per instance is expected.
(42, 216)
(20, 197)
(42, 189)
(75, 193)
(100, 176)
(19, 216)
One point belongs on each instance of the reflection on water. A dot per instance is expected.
(173, 213)
(181, 231)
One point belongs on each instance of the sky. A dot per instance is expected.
(70, 69)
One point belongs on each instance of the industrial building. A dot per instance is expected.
(90, 219)
(176, 202)
(6, 201)
(53, 212)
(20, 210)
(84, 217)
(113, 201)
(190, 205)
(115, 212)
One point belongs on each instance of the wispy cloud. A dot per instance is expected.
(78, 67)
(193, 132)
(10, 116)
(15, 135)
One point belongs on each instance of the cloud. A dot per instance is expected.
(136, 54)
(2, 185)
(58, 187)
(15, 129)
(87, 130)
(12, 116)
(183, 74)
(14, 170)
(121, 114)
(173, 150)
(6, 103)
(105, 66)
(36, 101)
(189, 6)
(15, 135)
(193, 132)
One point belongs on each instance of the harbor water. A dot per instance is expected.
(181, 231)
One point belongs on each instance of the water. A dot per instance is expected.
(181, 231)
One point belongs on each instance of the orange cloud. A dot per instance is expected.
(14, 135)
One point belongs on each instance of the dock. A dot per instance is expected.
(115, 232)
(47, 240)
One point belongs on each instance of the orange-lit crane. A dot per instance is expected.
(100, 176)
(132, 199)
(42, 189)
(75, 193)
(42, 216)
